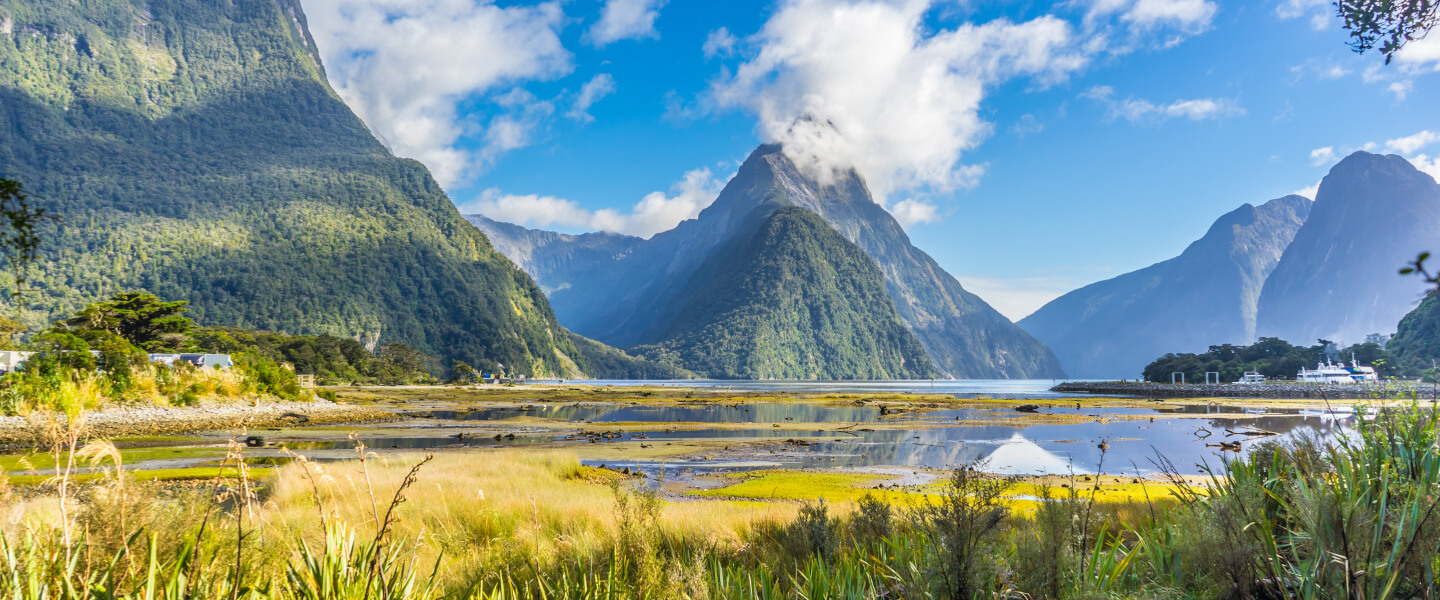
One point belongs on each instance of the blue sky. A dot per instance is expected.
(1030, 147)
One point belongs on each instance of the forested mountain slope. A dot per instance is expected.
(617, 297)
(791, 300)
(1205, 296)
(194, 149)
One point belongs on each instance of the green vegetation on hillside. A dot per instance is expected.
(195, 151)
(603, 362)
(333, 361)
(1276, 359)
(1417, 338)
(793, 300)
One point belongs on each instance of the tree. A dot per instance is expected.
(19, 241)
(463, 373)
(9, 328)
(142, 319)
(1389, 23)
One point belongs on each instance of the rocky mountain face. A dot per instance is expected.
(620, 300)
(790, 300)
(195, 150)
(1207, 295)
(1338, 279)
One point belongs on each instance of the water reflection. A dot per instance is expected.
(964, 388)
(1132, 446)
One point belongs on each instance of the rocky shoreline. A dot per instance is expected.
(1288, 389)
(155, 420)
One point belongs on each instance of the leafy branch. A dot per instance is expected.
(1417, 267)
(19, 240)
(1389, 23)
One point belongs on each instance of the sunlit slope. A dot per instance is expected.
(194, 149)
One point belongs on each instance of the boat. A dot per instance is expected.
(1252, 377)
(1328, 372)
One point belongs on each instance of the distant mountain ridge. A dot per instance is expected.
(1207, 295)
(550, 254)
(1338, 279)
(620, 298)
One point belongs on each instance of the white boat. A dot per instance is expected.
(1252, 377)
(1328, 372)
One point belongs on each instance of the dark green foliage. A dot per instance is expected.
(141, 319)
(873, 519)
(268, 377)
(603, 362)
(1390, 23)
(19, 239)
(332, 360)
(1274, 358)
(793, 300)
(462, 373)
(58, 351)
(195, 151)
(814, 531)
(1417, 338)
(963, 524)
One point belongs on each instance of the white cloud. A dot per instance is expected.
(1186, 15)
(1139, 110)
(911, 211)
(1421, 55)
(1308, 192)
(1411, 143)
(625, 20)
(880, 92)
(1322, 156)
(1406, 146)
(1121, 26)
(654, 213)
(530, 210)
(720, 43)
(1317, 10)
(404, 65)
(1027, 125)
(598, 87)
(1430, 166)
(1401, 89)
(1320, 68)
(1018, 297)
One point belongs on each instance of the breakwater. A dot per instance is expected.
(1278, 389)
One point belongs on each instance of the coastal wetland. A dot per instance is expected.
(758, 442)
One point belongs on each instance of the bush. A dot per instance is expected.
(813, 532)
(266, 377)
(874, 519)
(962, 524)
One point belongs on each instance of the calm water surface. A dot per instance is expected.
(962, 388)
(1134, 446)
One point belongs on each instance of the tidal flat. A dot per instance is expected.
(695, 443)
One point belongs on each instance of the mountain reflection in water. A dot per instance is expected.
(1134, 446)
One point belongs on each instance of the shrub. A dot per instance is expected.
(874, 519)
(813, 532)
(962, 525)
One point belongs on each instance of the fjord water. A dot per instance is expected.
(1017, 389)
(1138, 439)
